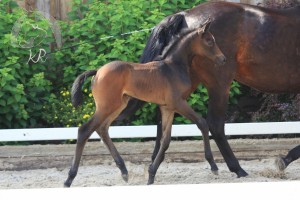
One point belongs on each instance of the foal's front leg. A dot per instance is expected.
(158, 134)
(184, 109)
(167, 119)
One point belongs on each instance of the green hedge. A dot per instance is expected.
(37, 94)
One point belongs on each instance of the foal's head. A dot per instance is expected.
(205, 45)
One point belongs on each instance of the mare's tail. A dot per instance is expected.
(76, 93)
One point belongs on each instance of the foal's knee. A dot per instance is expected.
(165, 143)
(203, 126)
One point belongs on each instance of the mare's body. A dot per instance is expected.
(262, 47)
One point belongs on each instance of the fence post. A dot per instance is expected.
(65, 6)
(60, 8)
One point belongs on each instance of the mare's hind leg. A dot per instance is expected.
(283, 162)
(167, 119)
(185, 110)
(84, 132)
(103, 133)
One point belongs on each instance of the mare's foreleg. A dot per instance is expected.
(167, 119)
(84, 132)
(185, 110)
(283, 162)
(216, 122)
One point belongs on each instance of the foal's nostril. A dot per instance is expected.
(221, 60)
(224, 60)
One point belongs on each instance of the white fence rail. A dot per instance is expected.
(39, 134)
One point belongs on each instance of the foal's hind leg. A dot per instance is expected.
(167, 119)
(103, 133)
(84, 132)
(185, 110)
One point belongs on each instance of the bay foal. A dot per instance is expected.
(165, 82)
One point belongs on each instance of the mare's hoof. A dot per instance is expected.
(241, 173)
(215, 172)
(280, 164)
(125, 177)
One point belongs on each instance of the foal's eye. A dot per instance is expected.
(210, 42)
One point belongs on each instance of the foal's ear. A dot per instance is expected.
(203, 30)
(205, 26)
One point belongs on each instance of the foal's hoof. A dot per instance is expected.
(66, 185)
(150, 180)
(125, 177)
(280, 164)
(241, 173)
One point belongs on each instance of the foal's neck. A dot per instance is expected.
(181, 54)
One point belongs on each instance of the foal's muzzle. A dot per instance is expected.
(220, 60)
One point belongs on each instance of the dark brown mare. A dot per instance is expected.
(262, 47)
(165, 82)
(283, 161)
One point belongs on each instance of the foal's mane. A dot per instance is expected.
(183, 35)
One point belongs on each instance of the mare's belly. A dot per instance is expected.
(270, 78)
(268, 53)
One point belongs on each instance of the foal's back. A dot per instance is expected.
(148, 82)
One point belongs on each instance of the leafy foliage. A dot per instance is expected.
(23, 88)
(97, 32)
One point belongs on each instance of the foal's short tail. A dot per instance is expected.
(76, 93)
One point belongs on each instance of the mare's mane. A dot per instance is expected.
(161, 36)
(183, 35)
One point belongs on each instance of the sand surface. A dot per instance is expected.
(168, 173)
(47, 166)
